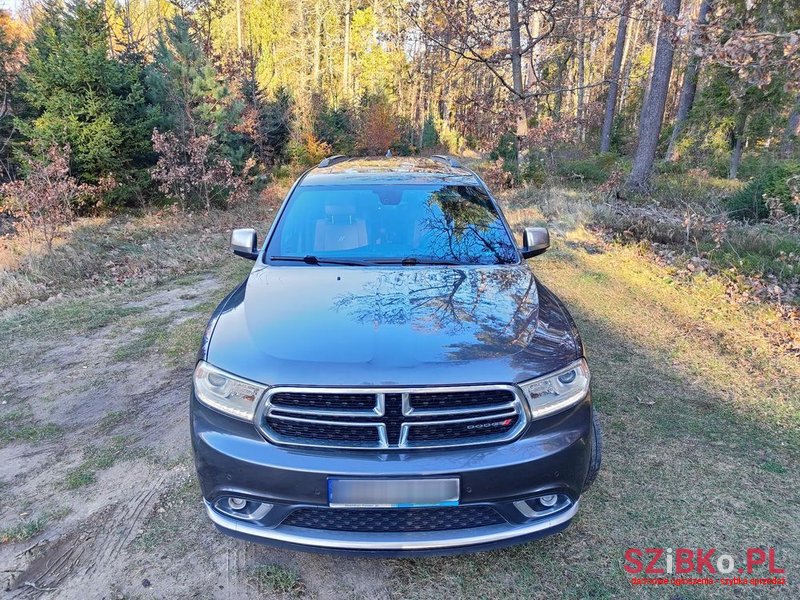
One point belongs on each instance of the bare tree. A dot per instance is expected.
(653, 107)
(689, 87)
(613, 82)
(346, 59)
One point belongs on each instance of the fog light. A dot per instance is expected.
(549, 500)
(241, 508)
(240, 503)
(543, 506)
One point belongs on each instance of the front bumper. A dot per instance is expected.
(551, 457)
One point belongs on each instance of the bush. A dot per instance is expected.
(430, 136)
(777, 185)
(336, 127)
(192, 175)
(595, 169)
(379, 129)
(46, 201)
(506, 150)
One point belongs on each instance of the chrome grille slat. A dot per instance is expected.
(393, 416)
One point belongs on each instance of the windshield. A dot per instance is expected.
(386, 224)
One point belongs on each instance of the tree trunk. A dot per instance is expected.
(737, 143)
(317, 43)
(613, 84)
(581, 75)
(627, 60)
(346, 61)
(792, 131)
(239, 25)
(516, 74)
(653, 107)
(689, 87)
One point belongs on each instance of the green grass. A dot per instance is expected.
(23, 531)
(18, 425)
(62, 318)
(98, 458)
(112, 420)
(275, 579)
(153, 332)
(170, 520)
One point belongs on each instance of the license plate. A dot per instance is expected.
(392, 493)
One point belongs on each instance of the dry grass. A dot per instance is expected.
(701, 413)
(127, 249)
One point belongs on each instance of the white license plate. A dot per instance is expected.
(392, 493)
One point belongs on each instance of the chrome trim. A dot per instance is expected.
(525, 509)
(266, 409)
(405, 429)
(428, 540)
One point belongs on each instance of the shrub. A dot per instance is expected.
(310, 151)
(192, 175)
(336, 127)
(379, 129)
(777, 184)
(47, 199)
(430, 137)
(506, 150)
(595, 169)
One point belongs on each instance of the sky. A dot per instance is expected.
(9, 4)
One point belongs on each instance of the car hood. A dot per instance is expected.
(407, 326)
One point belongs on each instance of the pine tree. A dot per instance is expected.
(77, 94)
(195, 101)
(267, 123)
(430, 137)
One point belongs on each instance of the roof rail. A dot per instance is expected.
(332, 160)
(448, 160)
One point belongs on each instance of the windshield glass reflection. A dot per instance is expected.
(426, 223)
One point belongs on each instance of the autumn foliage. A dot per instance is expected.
(192, 175)
(49, 197)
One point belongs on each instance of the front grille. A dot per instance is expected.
(355, 401)
(391, 418)
(448, 400)
(322, 432)
(386, 520)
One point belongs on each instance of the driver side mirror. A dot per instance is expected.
(244, 243)
(535, 241)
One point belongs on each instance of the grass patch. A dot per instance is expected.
(154, 332)
(113, 419)
(275, 579)
(16, 426)
(774, 467)
(63, 317)
(184, 338)
(23, 531)
(170, 519)
(97, 459)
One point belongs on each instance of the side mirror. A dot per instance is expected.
(535, 241)
(244, 243)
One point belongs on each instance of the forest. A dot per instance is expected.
(132, 102)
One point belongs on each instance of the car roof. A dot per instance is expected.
(401, 169)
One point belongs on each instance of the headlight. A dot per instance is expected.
(225, 392)
(557, 391)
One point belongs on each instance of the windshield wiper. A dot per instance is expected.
(410, 261)
(313, 260)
